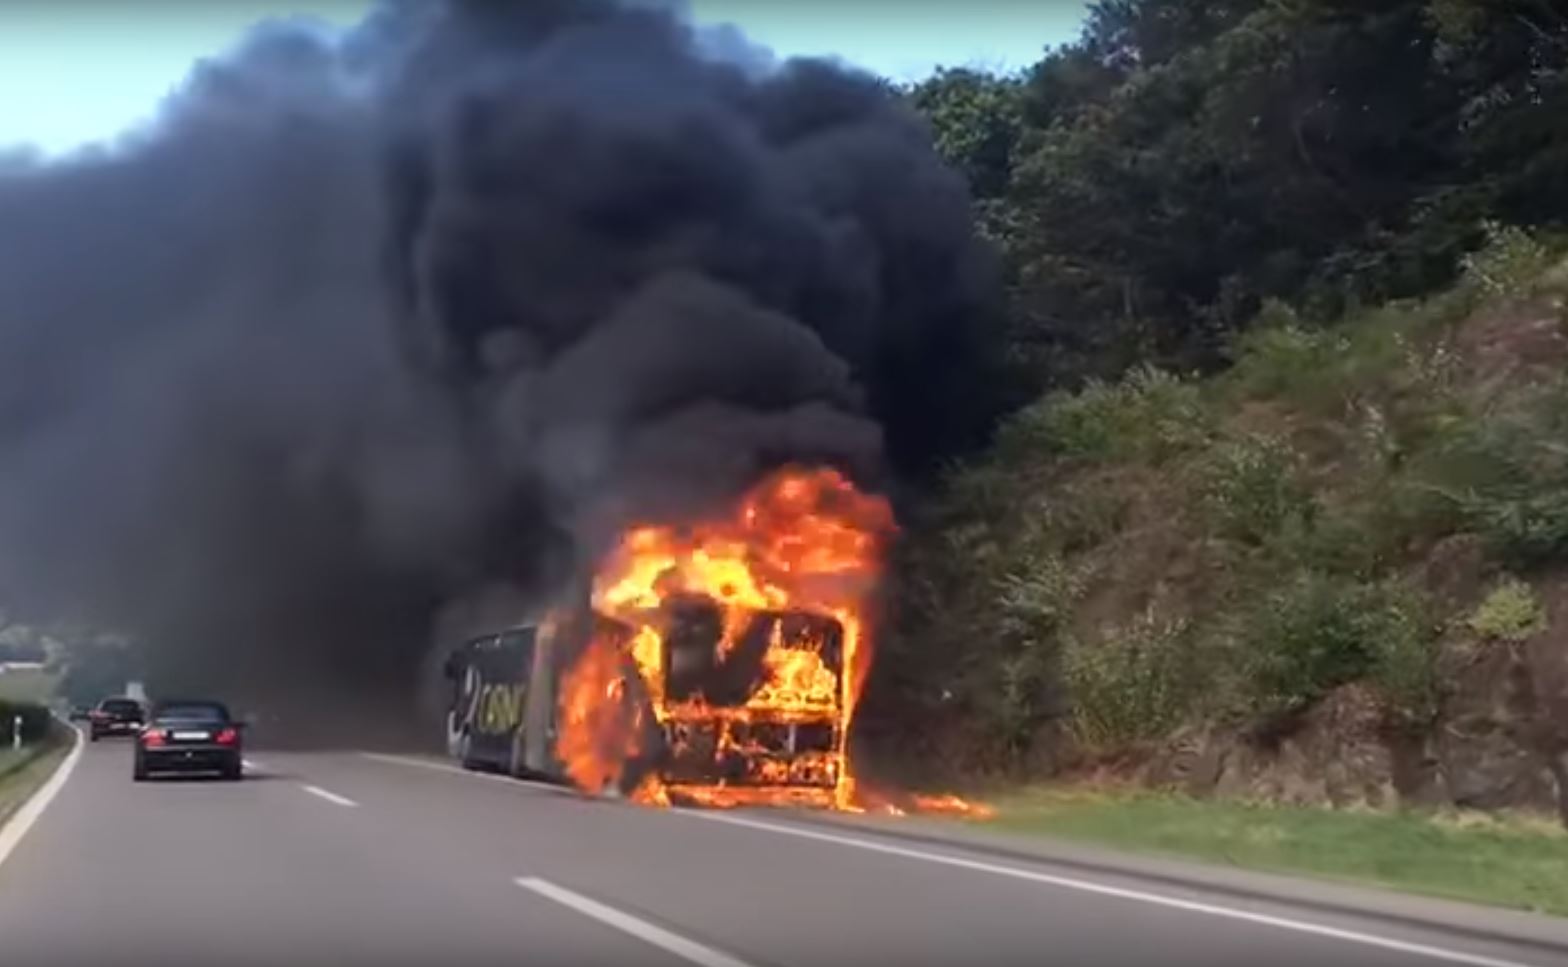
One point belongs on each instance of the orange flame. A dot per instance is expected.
(803, 542)
(779, 590)
(952, 805)
(598, 727)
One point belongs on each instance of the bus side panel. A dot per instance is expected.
(497, 712)
(561, 642)
(539, 723)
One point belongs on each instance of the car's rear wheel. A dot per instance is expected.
(139, 772)
(233, 772)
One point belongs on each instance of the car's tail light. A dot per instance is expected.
(152, 738)
(228, 737)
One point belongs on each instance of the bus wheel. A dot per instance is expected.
(516, 763)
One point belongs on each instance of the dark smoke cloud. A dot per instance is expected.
(365, 322)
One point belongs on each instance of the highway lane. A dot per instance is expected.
(345, 858)
(260, 872)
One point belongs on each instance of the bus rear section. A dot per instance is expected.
(502, 692)
(489, 679)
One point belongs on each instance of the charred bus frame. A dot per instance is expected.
(711, 738)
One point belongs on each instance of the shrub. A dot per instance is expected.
(1469, 462)
(1251, 488)
(993, 639)
(1352, 541)
(1404, 667)
(1034, 599)
(1502, 474)
(1507, 475)
(1082, 514)
(1021, 701)
(1133, 684)
(1527, 529)
(1149, 414)
(1511, 612)
(1280, 357)
(1328, 370)
(1319, 632)
(1509, 265)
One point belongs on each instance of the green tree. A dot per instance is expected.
(976, 120)
(1510, 58)
(1151, 188)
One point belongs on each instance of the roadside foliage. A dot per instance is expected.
(1284, 483)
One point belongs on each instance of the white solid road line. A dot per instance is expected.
(12, 832)
(331, 797)
(405, 760)
(649, 933)
(1154, 899)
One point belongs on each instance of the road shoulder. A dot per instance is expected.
(27, 791)
(1540, 932)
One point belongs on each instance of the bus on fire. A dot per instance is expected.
(715, 732)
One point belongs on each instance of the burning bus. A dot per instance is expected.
(716, 663)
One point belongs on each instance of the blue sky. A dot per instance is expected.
(77, 71)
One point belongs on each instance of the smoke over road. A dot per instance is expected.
(365, 322)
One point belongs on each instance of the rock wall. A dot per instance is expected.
(1499, 742)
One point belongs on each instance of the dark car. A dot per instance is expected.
(190, 737)
(115, 716)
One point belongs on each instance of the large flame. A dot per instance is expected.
(783, 582)
(599, 728)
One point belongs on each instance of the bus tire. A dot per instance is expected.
(516, 765)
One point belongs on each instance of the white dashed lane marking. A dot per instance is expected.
(330, 797)
(689, 950)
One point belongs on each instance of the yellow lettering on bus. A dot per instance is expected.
(500, 708)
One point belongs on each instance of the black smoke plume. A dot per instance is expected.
(363, 323)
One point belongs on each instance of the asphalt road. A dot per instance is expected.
(348, 859)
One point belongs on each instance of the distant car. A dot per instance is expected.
(81, 713)
(115, 716)
(190, 737)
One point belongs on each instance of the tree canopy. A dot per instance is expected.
(1152, 184)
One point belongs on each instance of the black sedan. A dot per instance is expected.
(115, 716)
(190, 737)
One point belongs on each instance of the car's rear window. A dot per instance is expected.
(194, 712)
(121, 706)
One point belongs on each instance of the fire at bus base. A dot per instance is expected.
(717, 663)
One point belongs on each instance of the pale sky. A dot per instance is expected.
(77, 71)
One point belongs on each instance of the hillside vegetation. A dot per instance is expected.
(1330, 573)
(1279, 510)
